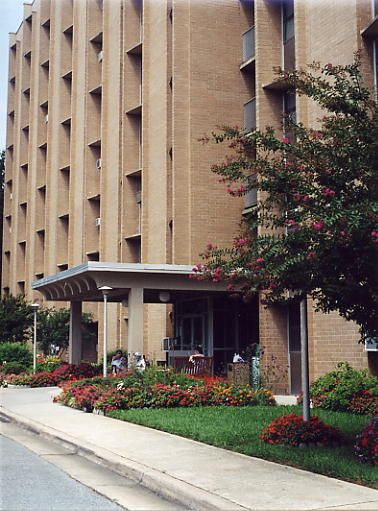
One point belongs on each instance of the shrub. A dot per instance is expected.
(62, 373)
(43, 379)
(293, 430)
(48, 363)
(13, 368)
(112, 393)
(337, 389)
(364, 402)
(16, 352)
(72, 371)
(16, 319)
(366, 446)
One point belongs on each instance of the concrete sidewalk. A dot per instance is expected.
(192, 474)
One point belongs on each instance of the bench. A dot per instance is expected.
(202, 366)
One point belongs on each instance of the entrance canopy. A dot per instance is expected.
(132, 284)
(82, 283)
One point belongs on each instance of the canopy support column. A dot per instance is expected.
(75, 339)
(136, 323)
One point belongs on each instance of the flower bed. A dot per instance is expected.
(293, 430)
(366, 446)
(62, 373)
(106, 396)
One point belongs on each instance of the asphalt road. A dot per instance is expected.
(28, 483)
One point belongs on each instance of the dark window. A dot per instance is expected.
(288, 20)
(289, 113)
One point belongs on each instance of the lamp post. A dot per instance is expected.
(304, 358)
(35, 307)
(105, 292)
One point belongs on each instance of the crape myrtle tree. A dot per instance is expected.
(314, 230)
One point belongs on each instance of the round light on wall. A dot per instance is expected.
(164, 296)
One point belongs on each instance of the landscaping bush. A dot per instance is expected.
(130, 392)
(293, 430)
(366, 446)
(74, 372)
(63, 373)
(344, 389)
(48, 363)
(16, 352)
(13, 368)
(364, 403)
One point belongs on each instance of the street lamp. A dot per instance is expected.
(35, 307)
(105, 292)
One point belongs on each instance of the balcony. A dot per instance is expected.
(250, 115)
(248, 39)
(371, 31)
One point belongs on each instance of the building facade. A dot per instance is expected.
(108, 100)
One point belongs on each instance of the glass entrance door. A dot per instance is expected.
(192, 332)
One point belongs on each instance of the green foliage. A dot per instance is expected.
(13, 368)
(16, 319)
(314, 229)
(16, 352)
(337, 389)
(53, 328)
(48, 363)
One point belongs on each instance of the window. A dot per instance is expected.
(287, 20)
(289, 113)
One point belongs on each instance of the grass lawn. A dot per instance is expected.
(238, 429)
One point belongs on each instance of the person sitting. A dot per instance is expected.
(119, 362)
(196, 355)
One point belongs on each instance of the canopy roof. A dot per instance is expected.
(82, 283)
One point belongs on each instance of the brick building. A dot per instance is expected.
(107, 182)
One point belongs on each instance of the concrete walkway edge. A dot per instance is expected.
(165, 485)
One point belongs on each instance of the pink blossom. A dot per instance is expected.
(290, 223)
(328, 192)
(241, 189)
(310, 255)
(318, 226)
(285, 140)
(374, 235)
(318, 134)
(229, 190)
(260, 260)
(342, 234)
(230, 287)
(329, 66)
(297, 196)
(306, 198)
(272, 285)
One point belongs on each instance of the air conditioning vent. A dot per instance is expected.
(100, 56)
(98, 222)
(98, 164)
(371, 344)
(46, 118)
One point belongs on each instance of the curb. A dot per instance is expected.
(160, 483)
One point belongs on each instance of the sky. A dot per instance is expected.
(10, 19)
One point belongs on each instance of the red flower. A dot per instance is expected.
(318, 225)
